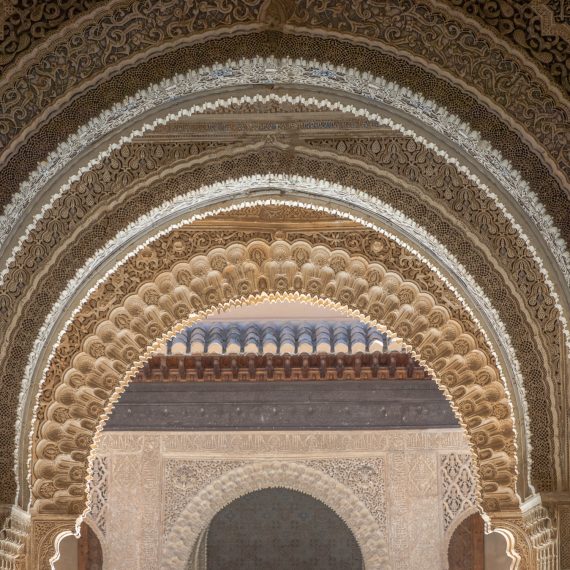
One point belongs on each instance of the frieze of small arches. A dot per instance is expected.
(89, 374)
(278, 337)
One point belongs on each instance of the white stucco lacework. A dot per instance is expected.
(244, 189)
(200, 511)
(289, 72)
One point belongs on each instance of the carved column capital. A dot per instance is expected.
(531, 536)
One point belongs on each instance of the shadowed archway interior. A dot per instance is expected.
(289, 528)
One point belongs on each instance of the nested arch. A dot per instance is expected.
(306, 162)
(543, 441)
(102, 350)
(200, 510)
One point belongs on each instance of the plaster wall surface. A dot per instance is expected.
(417, 484)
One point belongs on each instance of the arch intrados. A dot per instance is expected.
(495, 390)
(199, 511)
(380, 232)
(367, 42)
(470, 141)
(319, 191)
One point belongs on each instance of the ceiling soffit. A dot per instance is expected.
(539, 29)
(554, 244)
(489, 129)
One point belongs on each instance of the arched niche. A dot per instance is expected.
(471, 548)
(200, 512)
(80, 553)
(278, 528)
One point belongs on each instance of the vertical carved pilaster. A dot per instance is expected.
(151, 472)
(14, 536)
(564, 537)
(543, 537)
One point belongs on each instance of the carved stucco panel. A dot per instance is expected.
(183, 479)
(124, 523)
(396, 476)
(98, 493)
(458, 493)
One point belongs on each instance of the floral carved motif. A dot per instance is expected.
(98, 493)
(459, 493)
(358, 21)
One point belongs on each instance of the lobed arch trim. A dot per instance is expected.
(201, 509)
(315, 189)
(375, 89)
(461, 371)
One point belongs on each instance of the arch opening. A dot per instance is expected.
(287, 527)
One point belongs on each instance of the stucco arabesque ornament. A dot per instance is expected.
(199, 512)
(273, 72)
(238, 188)
(457, 358)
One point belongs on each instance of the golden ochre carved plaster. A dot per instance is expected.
(334, 166)
(104, 348)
